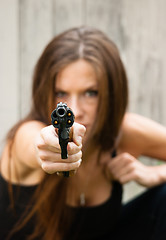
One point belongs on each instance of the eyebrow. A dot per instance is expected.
(84, 88)
(91, 87)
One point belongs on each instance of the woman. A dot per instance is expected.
(82, 68)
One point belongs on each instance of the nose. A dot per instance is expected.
(76, 107)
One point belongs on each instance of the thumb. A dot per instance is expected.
(78, 132)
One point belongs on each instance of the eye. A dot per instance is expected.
(60, 94)
(91, 93)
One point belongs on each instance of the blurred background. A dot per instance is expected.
(137, 27)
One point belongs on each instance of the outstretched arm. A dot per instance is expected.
(36, 151)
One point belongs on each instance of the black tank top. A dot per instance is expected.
(9, 216)
(97, 222)
(91, 223)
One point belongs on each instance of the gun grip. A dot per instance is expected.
(64, 154)
(66, 174)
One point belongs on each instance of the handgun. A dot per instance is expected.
(62, 118)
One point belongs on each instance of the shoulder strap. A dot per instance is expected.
(113, 154)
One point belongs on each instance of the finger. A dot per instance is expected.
(51, 167)
(50, 140)
(46, 155)
(78, 133)
(131, 176)
(121, 161)
(72, 148)
(124, 170)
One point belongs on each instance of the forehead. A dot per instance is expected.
(77, 74)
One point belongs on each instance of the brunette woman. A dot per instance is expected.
(82, 68)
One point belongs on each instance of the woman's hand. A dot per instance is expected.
(126, 168)
(49, 151)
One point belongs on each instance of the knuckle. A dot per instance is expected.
(75, 157)
(45, 135)
(135, 173)
(47, 168)
(46, 140)
(42, 131)
(39, 143)
(78, 156)
(73, 149)
(82, 130)
(70, 147)
(130, 161)
(79, 129)
(44, 167)
(133, 166)
(75, 165)
(43, 156)
(126, 155)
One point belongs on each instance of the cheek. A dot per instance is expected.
(94, 108)
(92, 113)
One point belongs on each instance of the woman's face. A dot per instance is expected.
(77, 86)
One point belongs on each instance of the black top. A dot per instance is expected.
(8, 216)
(97, 222)
(92, 223)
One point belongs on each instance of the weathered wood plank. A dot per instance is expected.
(9, 89)
(139, 31)
(144, 26)
(68, 14)
(106, 16)
(144, 59)
(35, 32)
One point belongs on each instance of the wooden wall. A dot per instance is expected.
(137, 27)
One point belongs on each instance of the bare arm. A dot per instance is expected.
(140, 136)
(36, 150)
(23, 162)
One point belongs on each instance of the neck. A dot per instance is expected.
(84, 185)
(90, 151)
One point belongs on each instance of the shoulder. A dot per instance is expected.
(22, 155)
(131, 133)
(134, 125)
(25, 138)
(30, 126)
(26, 135)
(141, 136)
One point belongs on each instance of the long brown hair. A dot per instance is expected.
(93, 46)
